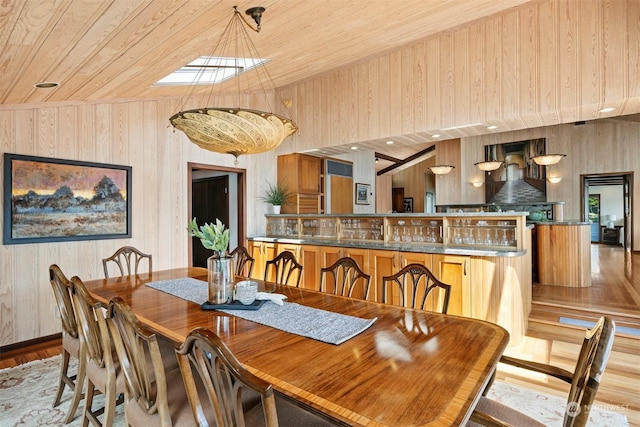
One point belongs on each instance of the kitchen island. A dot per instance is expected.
(564, 253)
(485, 257)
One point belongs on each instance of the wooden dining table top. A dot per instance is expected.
(410, 368)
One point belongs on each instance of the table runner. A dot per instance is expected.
(321, 325)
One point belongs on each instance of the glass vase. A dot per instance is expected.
(221, 279)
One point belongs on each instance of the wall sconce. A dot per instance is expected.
(548, 159)
(477, 184)
(554, 179)
(441, 169)
(488, 166)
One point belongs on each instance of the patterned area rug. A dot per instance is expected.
(27, 392)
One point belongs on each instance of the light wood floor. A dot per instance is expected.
(615, 291)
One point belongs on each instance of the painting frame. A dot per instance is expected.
(362, 193)
(408, 204)
(50, 200)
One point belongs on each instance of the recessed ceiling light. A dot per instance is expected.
(390, 142)
(46, 85)
(354, 148)
(607, 110)
(492, 127)
(435, 135)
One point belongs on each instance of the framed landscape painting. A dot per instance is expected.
(52, 200)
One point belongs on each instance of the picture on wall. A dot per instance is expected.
(519, 179)
(362, 193)
(50, 200)
(408, 204)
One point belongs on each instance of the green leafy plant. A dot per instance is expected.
(276, 194)
(213, 236)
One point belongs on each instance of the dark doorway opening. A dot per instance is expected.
(216, 192)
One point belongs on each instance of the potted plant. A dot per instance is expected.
(277, 195)
(220, 266)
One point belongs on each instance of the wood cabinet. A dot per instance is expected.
(381, 263)
(310, 258)
(455, 270)
(261, 252)
(301, 174)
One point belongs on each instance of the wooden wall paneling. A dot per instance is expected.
(408, 100)
(461, 77)
(152, 139)
(383, 193)
(8, 136)
(352, 103)
(549, 58)
(528, 50)
(419, 79)
(433, 85)
(379, 76)
(395, 105)
(446, 79)
(509, 69)
(492, 69)
(568, 27)
(615, 48)
(633, 45)
(475, 55)
(589, 60)
(364, 107)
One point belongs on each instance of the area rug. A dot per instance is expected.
(27, 392)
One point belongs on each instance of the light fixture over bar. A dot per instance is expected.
(488, 165)
(548, 159)
(441, 169)
(554, 179)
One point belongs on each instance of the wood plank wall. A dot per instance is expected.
(511, 69)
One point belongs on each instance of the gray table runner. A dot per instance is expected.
(321, 325)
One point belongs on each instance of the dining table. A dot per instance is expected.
(406, 368)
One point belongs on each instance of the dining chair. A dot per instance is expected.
(127, 258)
(102, 369)
(282, 269)
(347, 277)
(62, 290)
(413, 285)
(154, 390)
(584, 381)
(234, 395)
(242, 261)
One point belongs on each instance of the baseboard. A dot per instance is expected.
(11, 348)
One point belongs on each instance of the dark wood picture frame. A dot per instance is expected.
(408, 204)
(53, 200)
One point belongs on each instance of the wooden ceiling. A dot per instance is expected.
(103, 50)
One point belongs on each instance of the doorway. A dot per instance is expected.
(614, 198)
(216, 192)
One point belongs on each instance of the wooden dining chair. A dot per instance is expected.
(584, 381)
(62, 290)
(243, 261)
(346, 278)
(127, 258)
(283, 269)
(102, 370)
(413, 285)
(234, 395)
(154, 391)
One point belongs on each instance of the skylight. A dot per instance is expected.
(207, 70)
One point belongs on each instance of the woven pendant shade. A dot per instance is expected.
(233, 131)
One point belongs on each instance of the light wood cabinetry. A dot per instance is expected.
(381, 263)
(261, 252)
(455, 270)
(301, 174)
(310, 257)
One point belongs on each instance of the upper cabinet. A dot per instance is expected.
(302, 175)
